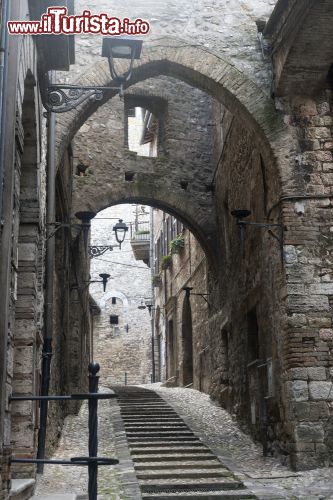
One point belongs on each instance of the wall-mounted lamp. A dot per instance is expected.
(84, 217)
(240, 215)
(62, 98)
(188, 293)
(148, 306)
(105, 277)
(142, 305)
(120, 230)
(121, 48)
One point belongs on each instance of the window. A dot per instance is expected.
(114, 300)
(252, 336)
(114, 320)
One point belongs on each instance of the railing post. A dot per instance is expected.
(93, 430)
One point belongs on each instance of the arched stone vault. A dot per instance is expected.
(202, 69)
(218, 78)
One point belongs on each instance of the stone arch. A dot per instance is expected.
(114, 293)
(167, 202)
(207, 71)
(187, 343)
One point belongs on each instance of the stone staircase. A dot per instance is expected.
(170, 461)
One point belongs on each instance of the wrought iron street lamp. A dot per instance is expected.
(61, 98)
(121, 48)
(241, 214)
(105, 277)
(120, 230)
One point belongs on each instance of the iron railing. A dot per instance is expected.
(92, 461)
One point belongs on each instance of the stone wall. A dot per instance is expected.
(123, 350)
(179, 176)
(22, 241)
(188, 267)
(308, 383)
(272, 157)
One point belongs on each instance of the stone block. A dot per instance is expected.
(290, 254)
(318, 410)
(321, 288)
(298, 374)
(27, 252)
(298, 390)
(304, 446)
(321, 391)
(326, 334)
(311, 432)
(297, 320)
(317, 373)
(300, 410)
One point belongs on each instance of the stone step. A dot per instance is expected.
(167, 451)
(193, 464)
(157, 404)
(170, 457)
(200, 495)
(21, 489)
(155, 428)
(156, 439)
(55, 496)
(157, 418)
(179, 474)
(181, 485)
(154, 433)
(169, 444)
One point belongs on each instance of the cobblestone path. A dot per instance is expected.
(264, 476)
(170, 461)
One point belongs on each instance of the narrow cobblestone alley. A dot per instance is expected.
(239, 459)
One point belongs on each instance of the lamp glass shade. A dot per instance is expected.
(121, 47)
(120, 230)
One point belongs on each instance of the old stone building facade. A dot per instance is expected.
(121, 331)
(239, 95)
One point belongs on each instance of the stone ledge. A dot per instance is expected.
(21, 489)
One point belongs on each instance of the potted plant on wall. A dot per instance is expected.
(166, 262)
(177, 244)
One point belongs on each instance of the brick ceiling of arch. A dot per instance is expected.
(158, 181)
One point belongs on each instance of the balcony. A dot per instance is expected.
(140, 241)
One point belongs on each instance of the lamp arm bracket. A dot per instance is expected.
(62, 98)
(97, 250)
(60, 225)
(265, 225)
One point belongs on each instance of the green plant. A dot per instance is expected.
(142, 231)
(166, 262)
(177, 244)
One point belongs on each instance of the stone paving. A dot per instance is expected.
(266, 477)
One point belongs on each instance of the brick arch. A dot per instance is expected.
(207, 71)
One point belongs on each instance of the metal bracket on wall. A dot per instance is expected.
(63, 98)
(97, 250)
(60, 225)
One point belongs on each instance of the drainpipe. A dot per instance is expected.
(50, 255)
(151, 258)
(3, 87)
